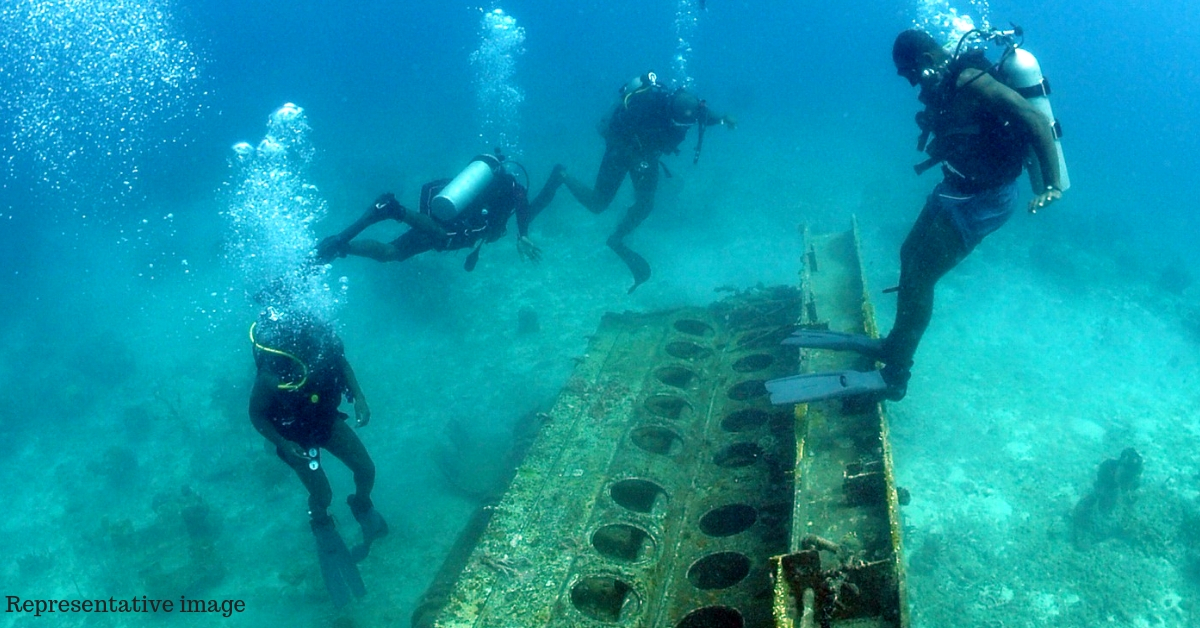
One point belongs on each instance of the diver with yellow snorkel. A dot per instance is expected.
(302, 376)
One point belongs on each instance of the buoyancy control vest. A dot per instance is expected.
(1020, 71)
(642, 121)
(981, 150)
(309, 364)
(484, 217)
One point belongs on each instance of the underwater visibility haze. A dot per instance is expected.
(169, 168)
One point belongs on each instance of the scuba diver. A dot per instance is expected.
(302, 376)
(649, 121)
(454, 214)
(984, 133)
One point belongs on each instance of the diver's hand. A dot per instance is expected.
(1044, 199)
(294, 454)
(362, 412)
(730, 122)
(527, 250)
(331, 247)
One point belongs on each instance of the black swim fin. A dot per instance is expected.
(472, 258)
(837, 341)
(374, 527)
(636, 263)
(831, 385)
(342, 579)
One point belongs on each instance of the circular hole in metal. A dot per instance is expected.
(621, 541)
(719, 571)
(605, 598)
(676, 376)
(712, 617)
(693, 327)
(738, 455)
(685, 350)
(657, 440)
(666, 406)
(744, 420)
(728, 520)
(748, 389)
(637, 495)
(751, 363)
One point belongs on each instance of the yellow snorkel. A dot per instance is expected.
(303, 366)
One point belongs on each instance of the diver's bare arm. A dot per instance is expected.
(713, 118)
(260, 401)
(1014, 108)
(362, 412)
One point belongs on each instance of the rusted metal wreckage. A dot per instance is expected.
(665, 491)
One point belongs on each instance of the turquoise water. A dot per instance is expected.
(1064, 339)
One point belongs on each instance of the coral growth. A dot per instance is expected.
(1116, 479)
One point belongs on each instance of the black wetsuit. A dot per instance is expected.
(307, 414)
(979, 153)
(485, 219)
(637, 134)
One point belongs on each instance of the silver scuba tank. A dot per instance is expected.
(464, 188)
(1020, 70)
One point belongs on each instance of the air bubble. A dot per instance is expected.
(497, 98)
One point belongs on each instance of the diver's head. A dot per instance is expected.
(303, 336)
(685, 108)
(918, 57)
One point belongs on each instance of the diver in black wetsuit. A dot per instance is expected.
(649, 122)
(302, 376)
(454, 214)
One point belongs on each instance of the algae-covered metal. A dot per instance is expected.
(665, 491)
(845, 566)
